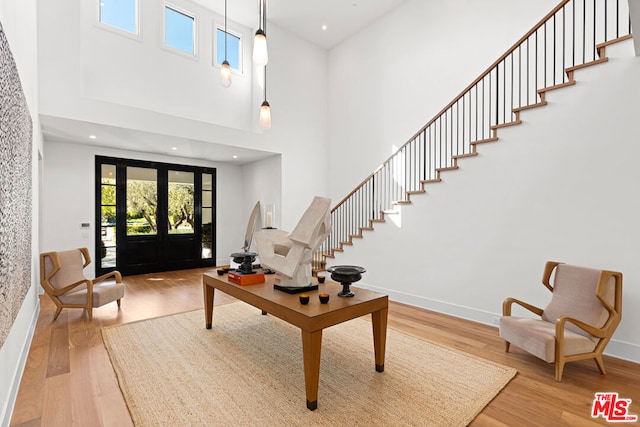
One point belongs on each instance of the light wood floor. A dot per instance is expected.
(69, 381)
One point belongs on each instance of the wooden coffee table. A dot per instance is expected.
(311, 318)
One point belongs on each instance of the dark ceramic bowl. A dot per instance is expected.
(304, 299)
(324, 298)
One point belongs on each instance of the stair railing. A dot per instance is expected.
(567, 38)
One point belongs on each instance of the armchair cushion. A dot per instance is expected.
(103, 293)
(540, 338)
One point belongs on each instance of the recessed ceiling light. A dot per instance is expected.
(174, 148)
(324, 28)
(235, 157)
(92, 137)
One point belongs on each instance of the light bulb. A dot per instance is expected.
(260, 54)
(225, 74)
(265, 116)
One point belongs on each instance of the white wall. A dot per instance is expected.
(68, 198)
(263, 183)
(91, 74)
(19, 21)
(390, 79)
(562, 186)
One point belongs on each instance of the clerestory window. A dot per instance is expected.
(120, 14)
(179, 30)
(234, 49)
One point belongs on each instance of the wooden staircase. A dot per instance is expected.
(422, 160)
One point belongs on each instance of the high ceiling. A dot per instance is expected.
(306, 18)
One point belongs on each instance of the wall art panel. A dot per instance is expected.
(15, 191)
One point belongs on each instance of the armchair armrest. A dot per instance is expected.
(115, 273)
(562, 320)
(506, 307)
(62, 291)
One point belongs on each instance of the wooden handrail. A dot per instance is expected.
(437, 146)
(522, 39)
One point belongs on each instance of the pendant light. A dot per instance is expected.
(225, 69)
(265, 108)
(260, 53)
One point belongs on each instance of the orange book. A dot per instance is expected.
(246, 279)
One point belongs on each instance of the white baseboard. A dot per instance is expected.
(7, 409)
(618, 349)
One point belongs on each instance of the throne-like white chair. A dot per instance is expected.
(290, 254)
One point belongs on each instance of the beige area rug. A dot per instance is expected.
(248, 370)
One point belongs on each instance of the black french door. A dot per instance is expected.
(153, 216)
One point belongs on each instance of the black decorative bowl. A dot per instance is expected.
(346, 275)
(245, 259)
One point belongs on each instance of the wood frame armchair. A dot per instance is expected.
(62, 278)
(578, 323)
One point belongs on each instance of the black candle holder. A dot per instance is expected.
(245, 259)
(346, 275)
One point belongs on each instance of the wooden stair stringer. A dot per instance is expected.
(569, 71)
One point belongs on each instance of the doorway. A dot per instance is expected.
(153, 216)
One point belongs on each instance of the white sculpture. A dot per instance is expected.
(290, 255)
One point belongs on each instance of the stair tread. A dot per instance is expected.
(416, 192)
(587, 64)
(507, 124)
(430, 181)
(447, 168)
(529, 107)
(462, 156)
(558, 86)
(482, 141)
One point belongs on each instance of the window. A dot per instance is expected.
(179, 30)
(234, 49)
(121, 14)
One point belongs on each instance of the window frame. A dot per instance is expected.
(117, 30)
(232, 32)
(185, 12)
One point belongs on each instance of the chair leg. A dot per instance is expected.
(90, 312)
(600, 363)
(559, 369)
(58, 310)
(118, 302)
(506, 346)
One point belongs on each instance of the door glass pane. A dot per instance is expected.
(207, 181)
(108, 216)
(181, 191)
(207, 216)
(142, 201)
(207, 236)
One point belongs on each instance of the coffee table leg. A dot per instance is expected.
(311, 345)
(379, 321)
(208, 305)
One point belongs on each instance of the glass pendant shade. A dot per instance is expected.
(265, 116)
(225, 74)
(260, 54)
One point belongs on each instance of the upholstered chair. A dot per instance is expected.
(578, 322)
(62, 277)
